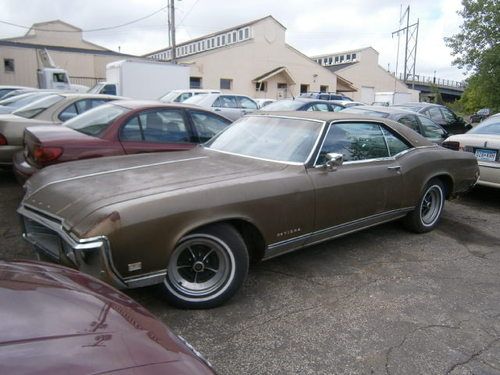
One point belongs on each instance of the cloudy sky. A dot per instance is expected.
(313, 26)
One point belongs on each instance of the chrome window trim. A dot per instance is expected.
(393, 157)
(313, 148)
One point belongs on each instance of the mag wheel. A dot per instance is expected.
(428, 211)
(206, 268)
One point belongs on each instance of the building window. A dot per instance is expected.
(247, 33)
(240, 34)
(195, 82)
(341, 59)
(323, 88)
(235, 34)
(226, 84)
(223, 39)
(304, 88)
(229, 38)
(218, 41)
(353, 56)
(261, 86)
(348, 57)
(203, 45)
(330, 60)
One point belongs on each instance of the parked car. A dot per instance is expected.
(56, 320)
(324, 96)
(5, 89)
(304, 104)
(268, 184)
(178, 96)
(11, 104)
(117, 128)
(262, 102)
(480, 115)
(484, 142)
(52, 109)
(349, 103)
(231, 106)
(440, 115)
(423, 125)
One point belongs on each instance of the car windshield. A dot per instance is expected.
(366, 112)
(35, 108)
(284, 105)
(21, 100)
(489, 126)
(271, 138)
(170, 96)
(95, 121)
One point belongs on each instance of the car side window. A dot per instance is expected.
(132, 130)
(336, 108)
(394, 143)
(247, 103)
(164, 126)
(225, 101)
(182, 97)
(431, 130)
(321, 107)
(355, 141)
(207, 125)
(435, 114)
(68, 113)
(411, 122)
(86, 104)
(448, 116)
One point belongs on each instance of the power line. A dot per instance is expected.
(89, 30)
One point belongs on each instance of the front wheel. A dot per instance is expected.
(427, 213)
(206, 268)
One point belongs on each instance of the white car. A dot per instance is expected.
(261, 102)
(484, 141)
(178, 96)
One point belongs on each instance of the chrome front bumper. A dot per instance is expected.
(89, 255)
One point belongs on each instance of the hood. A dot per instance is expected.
(494, 138)
(59, 321)
(71, 191)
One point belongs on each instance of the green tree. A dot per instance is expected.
(477, 49)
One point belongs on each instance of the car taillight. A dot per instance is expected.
(43, 155)
(452, 145)
(3, 140)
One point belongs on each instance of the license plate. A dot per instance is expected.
(486, 155)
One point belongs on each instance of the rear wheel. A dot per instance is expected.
(427, 213)
(206, 268)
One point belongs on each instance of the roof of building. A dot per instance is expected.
(343, 52)
(337, 67)
(217, 33)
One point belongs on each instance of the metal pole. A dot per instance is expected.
(406, 45)
(415, 56)
(172, 29)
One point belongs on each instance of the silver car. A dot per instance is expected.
(231, 106)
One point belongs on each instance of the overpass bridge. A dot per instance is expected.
(450, 90)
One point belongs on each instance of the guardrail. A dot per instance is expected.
(427, 80)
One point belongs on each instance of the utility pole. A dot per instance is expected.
(171, 25)
(411, 33)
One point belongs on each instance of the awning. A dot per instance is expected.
(264, 77)
(344, 85)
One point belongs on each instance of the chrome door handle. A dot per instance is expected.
(394, 168)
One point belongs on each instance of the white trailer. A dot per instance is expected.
(392, 97)
(142, 79)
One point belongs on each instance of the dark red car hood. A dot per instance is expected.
(54, 320)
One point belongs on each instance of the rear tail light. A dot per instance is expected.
(44, 155)
(3, 140)
(451, 145)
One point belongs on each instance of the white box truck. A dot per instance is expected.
(392, 97)
(142, 79)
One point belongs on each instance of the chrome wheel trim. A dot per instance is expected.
(431, 205)
(214, 282)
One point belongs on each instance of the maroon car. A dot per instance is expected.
(55, 320)
(118, 128)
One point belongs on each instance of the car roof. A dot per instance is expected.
(382, 109)
(87, 95)
(137, 104)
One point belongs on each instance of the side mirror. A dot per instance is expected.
(333, 161)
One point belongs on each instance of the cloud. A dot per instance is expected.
(314, 27)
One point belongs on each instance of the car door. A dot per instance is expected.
(246, 105)
(227, 106)
(365, 189)
(156, 130)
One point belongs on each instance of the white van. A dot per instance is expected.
(179, 96)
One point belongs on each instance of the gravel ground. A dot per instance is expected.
(382, 301)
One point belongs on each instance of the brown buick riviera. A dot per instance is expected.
(269, 184)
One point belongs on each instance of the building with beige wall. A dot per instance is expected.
(361, 67)
(84, 61)
(252, 59)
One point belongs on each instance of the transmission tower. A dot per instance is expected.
(411, 41)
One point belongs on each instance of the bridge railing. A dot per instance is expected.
(427, 80)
